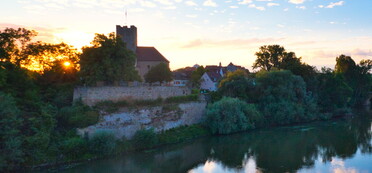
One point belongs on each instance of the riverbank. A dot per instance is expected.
(229, 151)
(145, 142)
(169, 137)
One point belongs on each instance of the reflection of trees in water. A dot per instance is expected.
(289, 149)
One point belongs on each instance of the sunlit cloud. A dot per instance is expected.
(301, 7)
(191, 3)
(271, 4)
(164, 2)
(245, 2)
(296, 1)
(230, 43)
(148, 4)
(192, 15)
(210, 3)
(256, 7)
(331, 5)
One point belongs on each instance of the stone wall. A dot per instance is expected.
(126, 123)
(143, 67)
(93, 95)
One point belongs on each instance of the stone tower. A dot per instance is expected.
(128, 35)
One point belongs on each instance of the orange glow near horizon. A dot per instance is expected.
(78, 39)
(66, 64)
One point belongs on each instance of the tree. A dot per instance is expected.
(11, 154)
(345, 64)
(231, 115)
(269, 56)
(357, 76)
(334, 93)
(284, 99)
(107, 60)
(237, 84)
(16, 47)
(159, 73)
(196, 76)
(13, 42)
(275, 56)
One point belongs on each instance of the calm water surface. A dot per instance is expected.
(336, 146)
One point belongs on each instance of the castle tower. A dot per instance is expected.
(128, 35)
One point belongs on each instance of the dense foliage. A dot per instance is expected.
(288, 91)
(159, 73)
(145, 138)
(284, 99)
(231, 115)
(107, 60)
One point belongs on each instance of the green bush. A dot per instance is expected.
(231, 115)
(183, 133)
(102, 143)
(74, 148)
(144, 139)
(77, 116)
(180, 99)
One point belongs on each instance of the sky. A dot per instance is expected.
(207, 32)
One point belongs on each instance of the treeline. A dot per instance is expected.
(286, 90)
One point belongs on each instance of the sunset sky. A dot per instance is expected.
(207, 32)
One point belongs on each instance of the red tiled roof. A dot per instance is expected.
(149, 54)
(215, 76)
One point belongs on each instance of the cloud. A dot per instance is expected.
(245, 2)
(301, 7)
(148, 4)
(164, 2)
(271, 4)
(210, 3)
(230, 43)
(331, 5)
(191, 3)
(192, 15)
(43, 33)
(256, 7)
(296, 1)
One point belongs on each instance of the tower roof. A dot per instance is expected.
(149, 54)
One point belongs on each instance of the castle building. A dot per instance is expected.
(147, 57)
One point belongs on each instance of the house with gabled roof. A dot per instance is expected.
(147, 57)
(211, 78)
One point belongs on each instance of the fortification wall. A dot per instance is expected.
(161, 118)
(93, 95)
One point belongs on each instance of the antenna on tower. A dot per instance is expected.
(126, 16)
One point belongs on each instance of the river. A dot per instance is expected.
(343, 145)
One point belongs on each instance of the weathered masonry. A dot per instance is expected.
(92, 95)
(127, 123)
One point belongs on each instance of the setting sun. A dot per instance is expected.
(67, 64)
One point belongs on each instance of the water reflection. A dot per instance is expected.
(341, 146)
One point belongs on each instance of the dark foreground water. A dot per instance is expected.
(335, 146)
